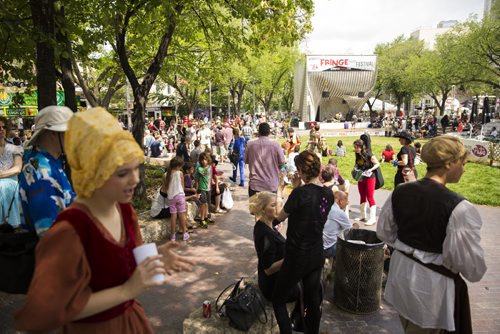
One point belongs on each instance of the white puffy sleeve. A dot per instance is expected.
(387, 230)
(462, 251)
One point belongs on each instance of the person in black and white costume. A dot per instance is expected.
(435, 234)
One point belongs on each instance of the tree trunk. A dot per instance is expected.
(43, 26)
(65, 62)
(141, 90)
(138, 133)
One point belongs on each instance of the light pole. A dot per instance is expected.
(253, 95)
(210, 100)
(129, 116)
(452, 99)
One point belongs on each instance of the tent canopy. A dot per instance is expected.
(379, 105)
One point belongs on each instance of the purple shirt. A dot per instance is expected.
(264, 158)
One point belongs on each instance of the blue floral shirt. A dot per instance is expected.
(44, 188)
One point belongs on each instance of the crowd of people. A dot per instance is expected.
(78, 173)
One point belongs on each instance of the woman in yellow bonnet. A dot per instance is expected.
(86, 279)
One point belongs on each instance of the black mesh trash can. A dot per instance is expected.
(359, 264)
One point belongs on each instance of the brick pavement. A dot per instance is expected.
(226, 252)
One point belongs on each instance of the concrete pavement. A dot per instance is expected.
(226, 252)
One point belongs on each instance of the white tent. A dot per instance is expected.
(379, 105)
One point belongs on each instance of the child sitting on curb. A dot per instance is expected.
(192, 198)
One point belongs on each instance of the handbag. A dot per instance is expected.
(409, 172)
(234, 157)
(356, 174)
(17, 256)
(243, 305)
(379, 178)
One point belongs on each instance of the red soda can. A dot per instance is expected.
(207, 309)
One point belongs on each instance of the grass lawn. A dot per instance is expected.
(480, 183)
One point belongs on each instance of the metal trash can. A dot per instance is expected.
(359, 265)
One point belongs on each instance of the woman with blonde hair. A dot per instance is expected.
(307, 209)
(436, 240)
(86, 279)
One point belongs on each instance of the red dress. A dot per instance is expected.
(76, 257)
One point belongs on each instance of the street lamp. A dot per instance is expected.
(210, 100)
(253, 95)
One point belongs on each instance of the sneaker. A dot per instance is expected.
(241, 184)
(185, 236)
(210, 221)
(172, 237)
(232, 179)
(203, 224)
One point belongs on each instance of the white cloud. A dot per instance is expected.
(357, 26)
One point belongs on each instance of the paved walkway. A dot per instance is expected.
(226, 252)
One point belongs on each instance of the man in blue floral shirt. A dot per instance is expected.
(44, 186)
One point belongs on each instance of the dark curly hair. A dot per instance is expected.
(309, 164)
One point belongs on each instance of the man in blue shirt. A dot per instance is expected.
(337, 222)
(44, 185)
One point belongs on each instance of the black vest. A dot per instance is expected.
(422, 210)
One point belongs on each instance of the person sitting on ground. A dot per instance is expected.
(336, 222)
(494, 133)
(11, 164)
(325, 150)
(388, 155)
(84, 263)
(339, 182)
(270, 246)
(418, 147)
(173, 185)
(340, 149)
(156, 147)
(192, 197)
(44, 184)
(216, 185)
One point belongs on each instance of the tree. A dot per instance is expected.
(435, 72)
(17, 46)
(43, 14)
(393, 58)
(269, 68)
(480, 48)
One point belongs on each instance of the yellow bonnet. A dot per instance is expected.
(96, 145)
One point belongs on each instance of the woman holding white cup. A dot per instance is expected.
(85, 263)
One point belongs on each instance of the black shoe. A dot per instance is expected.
(232, 179)
(241, 184)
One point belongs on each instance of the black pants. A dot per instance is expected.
(290, 274)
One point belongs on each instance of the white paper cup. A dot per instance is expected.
(142, 252)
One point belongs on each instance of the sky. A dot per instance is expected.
(356, 26)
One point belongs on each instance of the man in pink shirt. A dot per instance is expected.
(264, 158)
